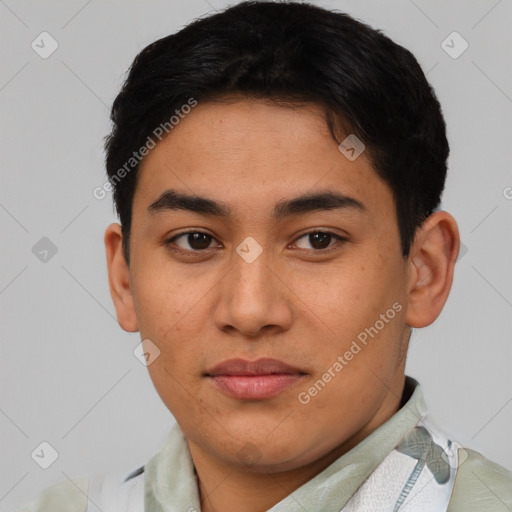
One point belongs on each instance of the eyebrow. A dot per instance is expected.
(173, 200)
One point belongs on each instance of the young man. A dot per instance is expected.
(277, 169)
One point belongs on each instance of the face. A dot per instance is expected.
(260, 271)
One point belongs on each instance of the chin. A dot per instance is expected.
(259, 455)
(253, 460)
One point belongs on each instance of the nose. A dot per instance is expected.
(253, 299)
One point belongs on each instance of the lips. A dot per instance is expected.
(254, 380)
(265, 366)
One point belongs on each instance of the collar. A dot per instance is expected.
(170, 483)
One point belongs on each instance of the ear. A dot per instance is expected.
(119, 279)
(431, 261)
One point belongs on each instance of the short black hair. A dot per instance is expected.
(291, 52)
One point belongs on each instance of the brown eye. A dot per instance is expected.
(196, 240)
(318, 240)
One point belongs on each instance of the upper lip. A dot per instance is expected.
(264, 366)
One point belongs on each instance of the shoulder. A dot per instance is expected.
(111, 493)
(66, 496)
(480, 484)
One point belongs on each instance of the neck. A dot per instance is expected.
(225, 487)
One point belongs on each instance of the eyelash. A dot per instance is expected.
(187, 252)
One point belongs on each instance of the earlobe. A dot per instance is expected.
(432, 262)
(119, 279)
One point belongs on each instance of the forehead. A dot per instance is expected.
(254, 152)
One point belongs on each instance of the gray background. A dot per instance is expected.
(69, 376)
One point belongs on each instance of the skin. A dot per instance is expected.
(292, 303)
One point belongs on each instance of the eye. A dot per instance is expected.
(319, 240)
(192, 241)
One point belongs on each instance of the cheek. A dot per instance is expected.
(345, 299)
(164, 297)
(357, 302)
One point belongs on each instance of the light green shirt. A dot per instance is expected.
(169, 483)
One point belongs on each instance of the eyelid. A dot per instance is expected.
(170, 241)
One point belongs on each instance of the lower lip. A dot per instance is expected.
(255, 387)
